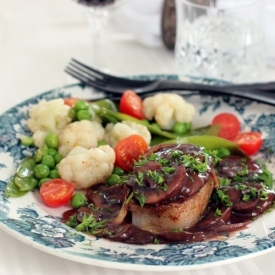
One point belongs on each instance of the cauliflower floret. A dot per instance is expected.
(87, 167)
(116, 132)
(167, 109)
(82, 133)
(47, 116)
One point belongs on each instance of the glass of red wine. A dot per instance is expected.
(96, 13)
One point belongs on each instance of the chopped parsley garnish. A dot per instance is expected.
(218, 213)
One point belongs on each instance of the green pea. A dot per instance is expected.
(42, 151)
(113, 179)
(52, 152)
(101, 143)
(43, 181)
(51, 140)
(48, 160)
(180, 128)
(72, 114)
(156, 126)
(54, 174)
(78, 200)
(223, 152)
(83, 115)
(81, 105)
(118, 171)
(58, 158)
(27, 141)
(41, 171)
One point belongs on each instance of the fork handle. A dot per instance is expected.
(261, 96)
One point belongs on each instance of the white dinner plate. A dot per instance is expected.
(29, 220)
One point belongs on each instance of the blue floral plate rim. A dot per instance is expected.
(28, 220)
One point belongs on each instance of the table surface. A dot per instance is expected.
(37, 39)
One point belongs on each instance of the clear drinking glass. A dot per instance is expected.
(96, 12)
(220, 39)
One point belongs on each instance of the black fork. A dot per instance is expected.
(262, 92)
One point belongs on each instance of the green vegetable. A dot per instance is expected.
(72, 114)
(42, 151)
(118, 171)
(209, 142)
(51, 140)
(104, 104)
(81, 105)
(26, 183)
(41, 171)
(101, 143)
(52, 152)
(223, 152)
(58, 158)
(48, 161)
(181, 128)
(26, 167)
(113, 179)
(54, 174)
(12, 190)
(43, 181)
(27, 141)
(83, 115)
(78, 200)
(155, 125)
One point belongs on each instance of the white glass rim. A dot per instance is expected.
(245, 6)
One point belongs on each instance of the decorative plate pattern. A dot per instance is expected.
(29, 220)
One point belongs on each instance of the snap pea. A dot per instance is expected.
(26, 183)
(209, 142)
(104, 104)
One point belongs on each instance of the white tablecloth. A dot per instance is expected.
(37, 39)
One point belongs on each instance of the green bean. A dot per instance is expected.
(48, 160)
(41, 171)
(78, 200)
(83, 115)
(51, 140)
(27, 141)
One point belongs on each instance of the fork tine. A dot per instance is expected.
(96, 72)
(87, 74)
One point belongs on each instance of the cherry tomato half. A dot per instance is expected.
(70, 101)
(250, 142)
(230, 125)
(131, 104)
(56, 192)
(128, 150)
